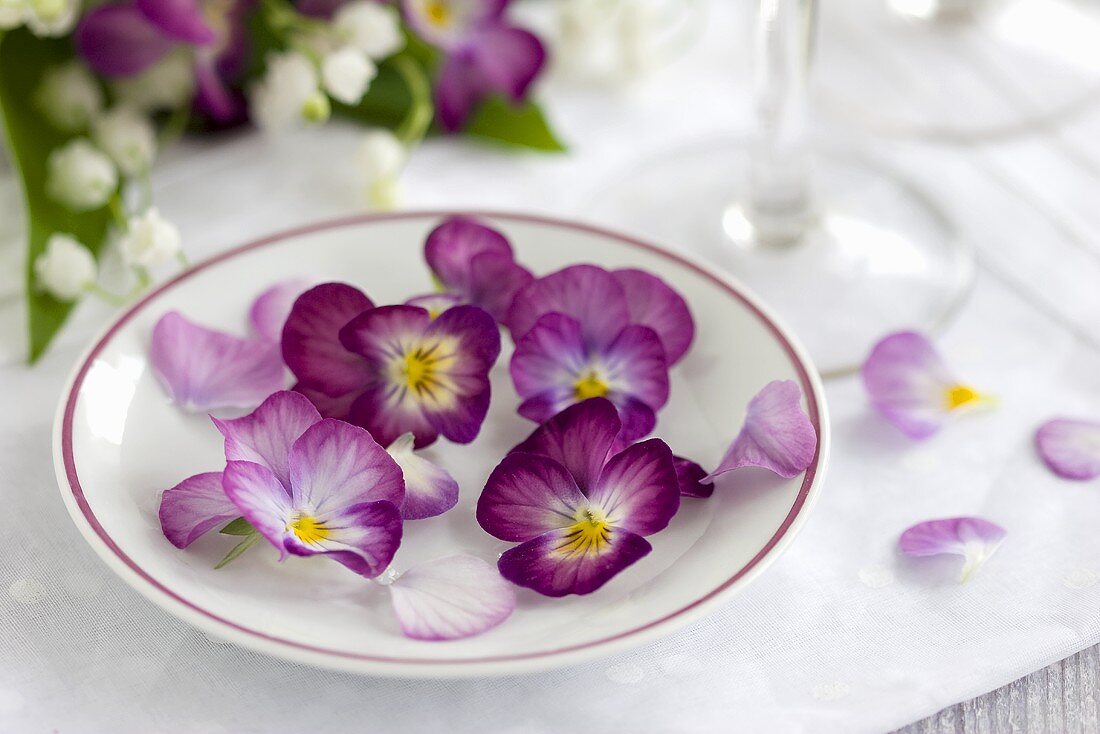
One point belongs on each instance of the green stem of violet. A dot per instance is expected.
(421, 110)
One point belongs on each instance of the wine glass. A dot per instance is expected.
(960, 70)
(843, 247)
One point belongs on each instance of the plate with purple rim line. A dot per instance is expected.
(118, 443)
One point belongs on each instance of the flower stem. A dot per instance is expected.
(118, 211)
(239, 549)
(113, 299)
(421, 110)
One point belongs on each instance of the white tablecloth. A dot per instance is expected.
(838, 636)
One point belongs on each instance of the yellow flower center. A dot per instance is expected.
(590, 532)
(438, 12)
(421, 372)
(960, 395)
(309, 529)
(590, 386)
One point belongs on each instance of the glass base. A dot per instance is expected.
(877, 257)
(958, 69)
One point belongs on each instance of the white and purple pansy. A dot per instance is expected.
(910, 385)
(483, 54)
(473, 264)
(265, 438)
(1070, 448)
(973, 538)
(776, 435)
(578, 514)
(578, 336)
(392, 369)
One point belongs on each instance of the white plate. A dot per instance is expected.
(118, 442)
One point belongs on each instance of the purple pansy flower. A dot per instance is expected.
(451, 598)
(692, 478)
(972, 538)
(199, 504)
(777, 435)
(473, 264)
(578, 337)
(483, 54)
(1071, 448)
(341, 498)
(579, 516)
(911, 386)
(393, 369)
(121, 39)
(435, 303)
(202, 369)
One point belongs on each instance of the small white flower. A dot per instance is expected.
(66, 269)
(80, 176)
(128, 137)
(381, 158)
(346, 74)
(372, 28)
(150, 240)
(52, 17)
(166, 85)
(288, 94)
(12, 13)
(69, 97)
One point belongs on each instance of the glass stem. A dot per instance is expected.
(780, 206)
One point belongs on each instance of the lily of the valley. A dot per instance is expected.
(51, 17)
(381, 158)
(128, 137)
(150, 240)
(289, 93)
(973, 538)
(392, 369)
(346, 73)
(66, 270)
(370, 27)
(69, 97)
(80, 176)
(911, 386)
(578, 510)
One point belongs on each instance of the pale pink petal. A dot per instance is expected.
(777, 434)
(451, 598)
(194, 507)
(972, 538)
(202, 369)
(271, 309)
(429, 489)
(1071, 448)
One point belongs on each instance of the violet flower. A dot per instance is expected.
(579, 514)
(579, 336)
(392, 370)
(911, 386)
(972, 538)
(1070, 448)
(122, 39)
(483, 54)
(473, 264)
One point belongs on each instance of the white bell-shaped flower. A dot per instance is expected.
(371, 27)
(128, 137)
(66, 269)
(80, 176)
(346, 74)
(150, 240)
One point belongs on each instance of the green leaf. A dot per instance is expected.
(238, 550)
(29, 139)
(386, 102)
(518, 125)
(240, 526)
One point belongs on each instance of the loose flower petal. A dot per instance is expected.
(117, 40)
(972, 538)
(653, 303)
(560, 562)
(580, 438)
(429, 489)
(202, 369)
(692, 478)
(777, 434)
(311, 339)
(589, 294)
(1071, 448)
(911, 386)
(527, 495)
(194, 507)
(265, 436)
(451, 598)
(270, 310)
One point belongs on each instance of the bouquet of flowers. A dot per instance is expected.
(90, 90)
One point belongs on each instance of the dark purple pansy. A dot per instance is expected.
(483, 54)
(579, 512)
(393, 369)
(473, 264)
(121, 39)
